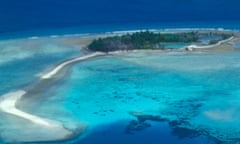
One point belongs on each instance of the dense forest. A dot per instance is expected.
(141, 40)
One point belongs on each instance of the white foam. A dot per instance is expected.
(164, 30)
(54, 36)
(77, 35)
(130, 31)
(33, 37)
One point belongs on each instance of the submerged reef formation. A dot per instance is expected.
(176, 126)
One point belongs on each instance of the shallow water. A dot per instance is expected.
(175, 45)
(22, 63)
(24, 60)
(199, 91)
(237, 45)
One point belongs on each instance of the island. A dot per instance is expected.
(157, 40)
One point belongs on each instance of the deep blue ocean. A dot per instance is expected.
(44, 17)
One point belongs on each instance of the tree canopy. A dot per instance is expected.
(141, 40)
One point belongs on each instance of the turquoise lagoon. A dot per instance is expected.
(195, 93)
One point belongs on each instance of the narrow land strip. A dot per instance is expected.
(8, 101)
(62, 65)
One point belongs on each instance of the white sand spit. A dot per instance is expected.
(62, 65)
(210, 46)
(8, 105)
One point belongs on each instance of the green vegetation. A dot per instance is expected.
(141, 40)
